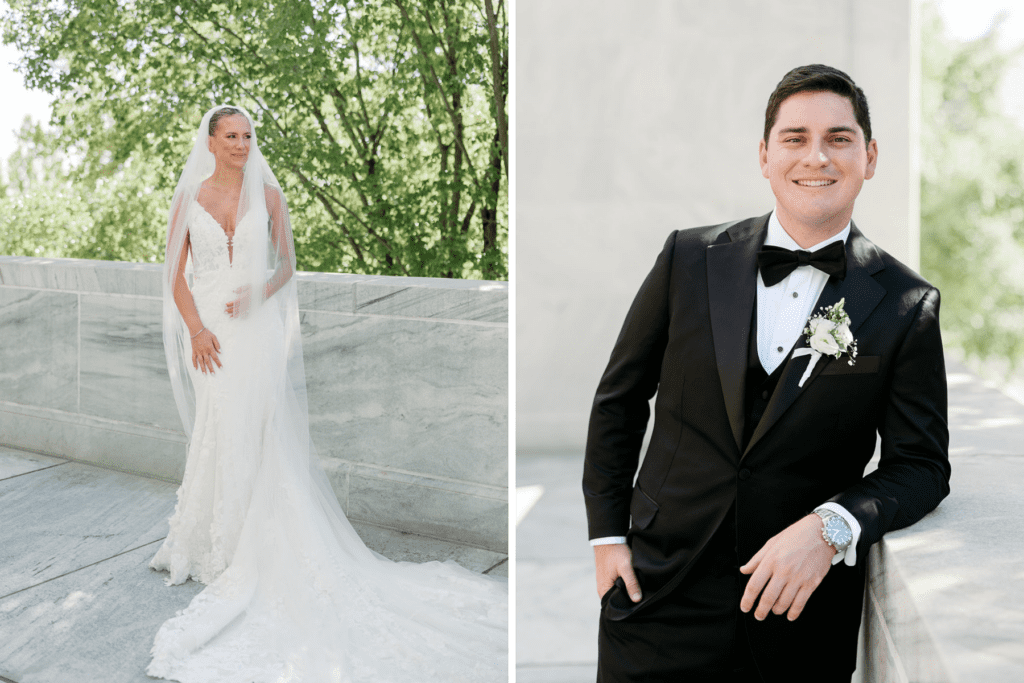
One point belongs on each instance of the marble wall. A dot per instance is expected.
(636, 119)
(945, 600)
(407, 381)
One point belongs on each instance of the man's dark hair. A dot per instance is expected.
(818, 78)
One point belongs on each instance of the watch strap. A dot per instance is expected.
(827, 515)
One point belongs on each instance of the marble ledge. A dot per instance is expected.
(401, 546)
(338, 472)
(160, 453)
(123, 367)
(82, 275)
(895, 638)
(453, 512)
(468, 488)
(43, 371)
(135, 449)
(408, 297)
(950, 588)
(415, 297)
(488, 303)
(427, 511)
(419, 396)
(40, 413)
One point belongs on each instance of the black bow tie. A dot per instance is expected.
(776, 263)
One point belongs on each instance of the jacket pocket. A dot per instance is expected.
(642, 509)
(841, 366)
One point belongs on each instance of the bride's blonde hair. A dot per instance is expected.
(219, 114)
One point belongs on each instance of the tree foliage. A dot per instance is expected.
(972, 192)
(52, 206)
(385, 120)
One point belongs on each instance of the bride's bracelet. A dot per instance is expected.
(197, 333)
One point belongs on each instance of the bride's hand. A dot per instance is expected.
(240, 306)
(205, 348)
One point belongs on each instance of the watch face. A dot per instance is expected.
(838, 531)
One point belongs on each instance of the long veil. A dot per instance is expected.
(268, 268)
(302, 598)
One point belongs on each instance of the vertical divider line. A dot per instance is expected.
(348, 489)
(78, 382)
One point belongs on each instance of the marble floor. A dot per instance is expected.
(556, 597)
(77, 599)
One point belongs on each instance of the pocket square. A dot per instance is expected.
(841, 366)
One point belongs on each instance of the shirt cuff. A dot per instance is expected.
(849, 556)
(607, 540)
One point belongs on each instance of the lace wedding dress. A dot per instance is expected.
(292, 593)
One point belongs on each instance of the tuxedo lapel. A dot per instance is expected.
(862, 294)
(732, 289)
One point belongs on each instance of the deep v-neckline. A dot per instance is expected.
(230, 238)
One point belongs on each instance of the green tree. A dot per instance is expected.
(972, 192)
(54, 206)
(384, 119)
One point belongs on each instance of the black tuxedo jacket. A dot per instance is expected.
(686, 338)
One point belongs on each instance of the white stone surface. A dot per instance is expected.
(14, 463)
(950, 589)
(118, 445)
(438, 511)
(416, 395)
(81, 275)
(635, 119)
(489, 303)
(407, 379)
(124, 370)
(959, 573)
(96, 624)
(39, 354)
(77, 599)
(89, 515)
(405, 547)
(557, 606)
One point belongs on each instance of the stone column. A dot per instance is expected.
(635, 119)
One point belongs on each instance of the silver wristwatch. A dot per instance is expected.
(836, 532)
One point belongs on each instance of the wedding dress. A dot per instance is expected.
(292, 593)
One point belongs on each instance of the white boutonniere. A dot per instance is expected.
(828, 334)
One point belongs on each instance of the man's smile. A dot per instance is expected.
(814, 183)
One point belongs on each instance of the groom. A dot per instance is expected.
(739, 553)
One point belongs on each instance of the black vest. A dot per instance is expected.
(759, 387)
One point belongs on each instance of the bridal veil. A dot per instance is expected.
(301, 597)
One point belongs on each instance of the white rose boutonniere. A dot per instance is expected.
(828, 334)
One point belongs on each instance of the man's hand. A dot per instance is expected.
(789, 567)
(612, 561)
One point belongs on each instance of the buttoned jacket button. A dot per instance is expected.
(744, 474)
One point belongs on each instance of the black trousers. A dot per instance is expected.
(696, 634)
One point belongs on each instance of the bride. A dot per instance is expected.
(292, 593)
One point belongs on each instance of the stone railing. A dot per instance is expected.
(945, 597)
(407, 381)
